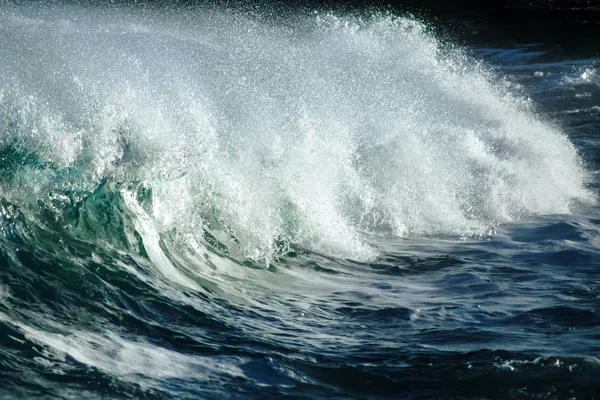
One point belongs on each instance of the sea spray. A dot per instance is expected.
(307, 133)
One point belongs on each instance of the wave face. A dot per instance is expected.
(308, 132)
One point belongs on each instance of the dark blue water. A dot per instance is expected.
(202, 203)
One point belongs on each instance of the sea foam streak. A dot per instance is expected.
(305, 133)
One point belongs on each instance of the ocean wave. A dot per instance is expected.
(257, 137)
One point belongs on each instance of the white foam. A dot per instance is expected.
(307, 133)
(151, 240)
(139, 362)
(582, 76)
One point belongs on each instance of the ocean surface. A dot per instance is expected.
(199, 202)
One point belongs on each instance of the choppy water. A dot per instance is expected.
(203, 203)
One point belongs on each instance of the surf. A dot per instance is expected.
(253, 138)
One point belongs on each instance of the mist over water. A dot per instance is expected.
(200, 202)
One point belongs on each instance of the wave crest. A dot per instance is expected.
(307, 133)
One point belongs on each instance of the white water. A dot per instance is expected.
(142, 363)
(309, 132)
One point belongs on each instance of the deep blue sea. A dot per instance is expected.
(202, 202)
